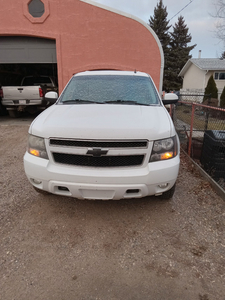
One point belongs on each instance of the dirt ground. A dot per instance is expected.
(60, 248)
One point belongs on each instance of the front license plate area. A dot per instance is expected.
(97, 194)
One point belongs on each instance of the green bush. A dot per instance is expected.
(211, 89)
(222, 98)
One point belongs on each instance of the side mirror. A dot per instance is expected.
(170, 98)
(51, 96)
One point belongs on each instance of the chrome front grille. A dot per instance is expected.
(98, 144)
(98, 153)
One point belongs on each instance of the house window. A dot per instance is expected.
(219, 76)
(36, 8)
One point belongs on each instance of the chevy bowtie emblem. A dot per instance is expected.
(97, 152)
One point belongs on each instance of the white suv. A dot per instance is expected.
(108, 136)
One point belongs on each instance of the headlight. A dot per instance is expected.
(36, 146)
(164, 149)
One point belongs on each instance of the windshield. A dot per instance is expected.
(121, 89)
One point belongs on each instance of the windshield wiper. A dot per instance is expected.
(80, 101)
(125, 102)
(121, 101)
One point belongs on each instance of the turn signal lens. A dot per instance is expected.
(167, 155)
(34, 152)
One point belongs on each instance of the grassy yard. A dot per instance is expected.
(183, 113)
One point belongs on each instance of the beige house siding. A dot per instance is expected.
(196, 73)
(194, 78)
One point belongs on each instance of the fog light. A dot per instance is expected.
(36, 181)
(163, 186)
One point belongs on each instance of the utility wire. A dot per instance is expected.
(181, 10)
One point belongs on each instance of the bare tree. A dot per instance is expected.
(220, 16)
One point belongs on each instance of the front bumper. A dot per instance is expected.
(98, 183)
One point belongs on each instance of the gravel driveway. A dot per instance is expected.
(59, 248)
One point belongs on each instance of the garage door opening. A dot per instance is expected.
(22, 56)
(12, 74)
(26, 56)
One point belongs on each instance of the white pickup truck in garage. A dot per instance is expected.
(108, 136)
(29, 96)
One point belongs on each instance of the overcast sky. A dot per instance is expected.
(196, 15)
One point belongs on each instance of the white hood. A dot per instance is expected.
(103, 121)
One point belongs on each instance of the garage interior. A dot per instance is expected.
(24, 56)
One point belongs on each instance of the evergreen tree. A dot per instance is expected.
(222, 98)
(179, 53)
(222, 55)
(211, 89)
(160, 26)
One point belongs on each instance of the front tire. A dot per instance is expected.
(168, 194)
(3, 111)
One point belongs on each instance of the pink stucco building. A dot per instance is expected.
(87, 36)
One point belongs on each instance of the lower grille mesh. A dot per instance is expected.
(103, 161)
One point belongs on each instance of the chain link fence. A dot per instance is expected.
(201, 129)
